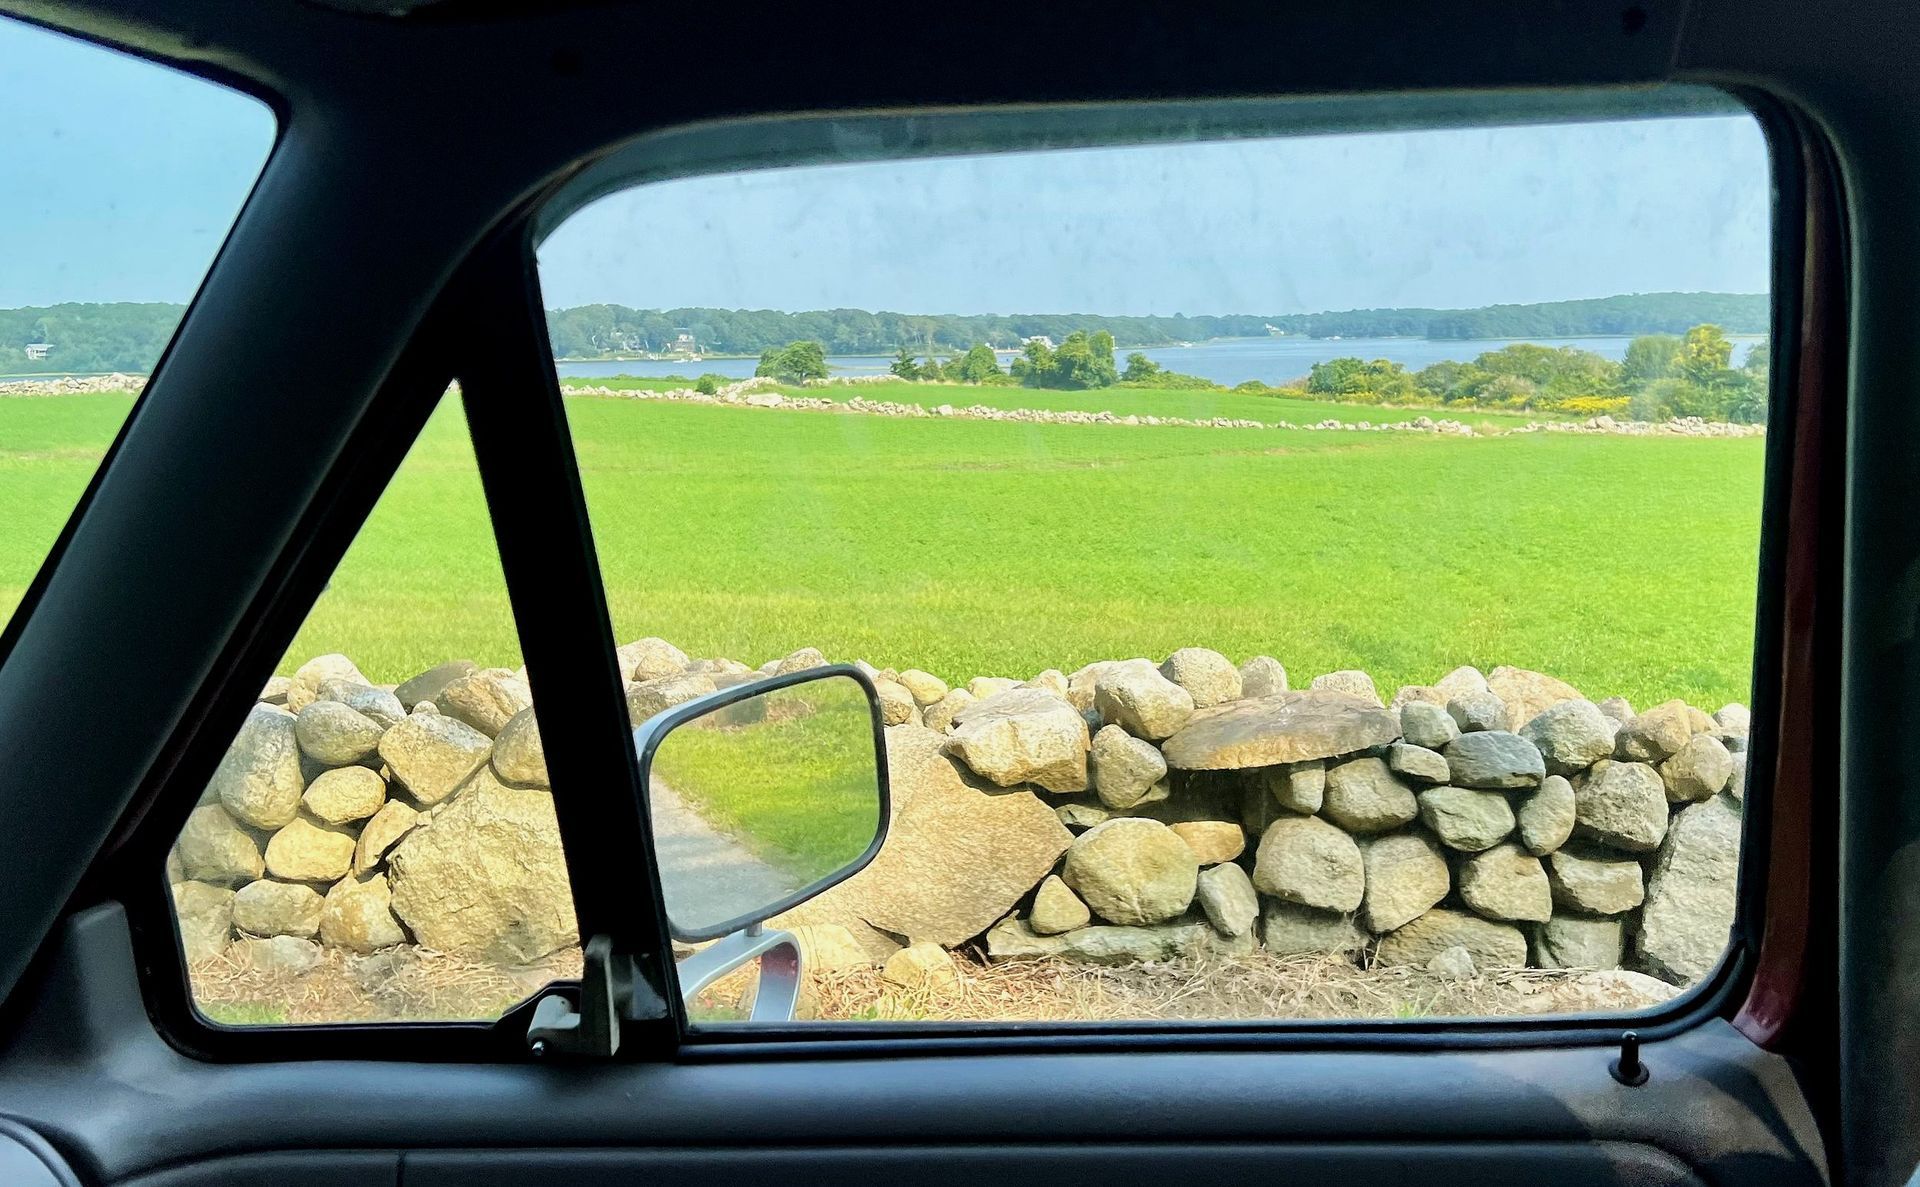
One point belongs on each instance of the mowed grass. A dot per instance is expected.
(1122, 401)
(1624, 565)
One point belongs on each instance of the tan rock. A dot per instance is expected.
(650, 697)
(204, 915)
(926, 688)
(922, 966)
(430, 755)
(1506, 883)
(1492, 945)
(393, 821)
(214, 848)
(269, 908)
(1528, 694)
(1132, 871)
(519, 756)
(1406, 873)
(1305, 860)
(487, 879)
(1352, 682)
(1023, 736)
(486, 699)
(830, 947)
(1212, 841)
(345, 795)
(357, 915)
(308, 850)
(650, 659)
(259, 780)
(1057, 909)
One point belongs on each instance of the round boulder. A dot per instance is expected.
(1506, 883)
(1622, 804)
(1262, 676)
(1124, 767)
(1494, 760)
(1406, 874)
(1571, 736)
(1132, 871)
(259, 779)
(1305, 860)
(1142, 702)
(1364, 796)
(1465, 819)
(1209, 677)
(1024, 735)
(345, 795)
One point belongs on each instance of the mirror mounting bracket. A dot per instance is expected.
(613, 991)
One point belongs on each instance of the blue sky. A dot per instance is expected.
(120, 179)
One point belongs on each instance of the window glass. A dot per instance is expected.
(379, 842)
(121, 179)
(1304, 578)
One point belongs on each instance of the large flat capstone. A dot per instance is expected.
(1282, 728)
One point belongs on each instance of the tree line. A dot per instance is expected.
(1662, 376)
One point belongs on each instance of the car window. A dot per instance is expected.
(1304, 578)
(379, 841)
(120, 180)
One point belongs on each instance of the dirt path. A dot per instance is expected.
(709, 877)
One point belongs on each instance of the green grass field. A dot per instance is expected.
(1143, 401)
(1625, 565)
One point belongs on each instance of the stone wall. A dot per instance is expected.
(1129, 811)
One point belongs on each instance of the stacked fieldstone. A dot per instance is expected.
(1129, 811)
(366, 817)
(1215, 810)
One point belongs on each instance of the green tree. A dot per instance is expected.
(978, 365)
(796, 362)
(1140, 369)
(1704, 352)
(1649, 357)
(904, 366)
(1759, 361)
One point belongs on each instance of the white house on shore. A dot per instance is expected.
(38, 350)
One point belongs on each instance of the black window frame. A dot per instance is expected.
(487, 329)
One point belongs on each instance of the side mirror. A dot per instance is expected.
(763, 795)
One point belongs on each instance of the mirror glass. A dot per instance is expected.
(758, 800)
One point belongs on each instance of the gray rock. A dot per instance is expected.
(1132, 871)
(431, 755)
(1209, 677)
(375, 703)
(1734, 719)
(1183, 939)
(345, 795)
(1287, 727)
(1288, 929)
(335, 735)
(1737, 782)
(1506, 883)
(1494, 760)
(1476, 711)
(1579, 942)
(1453, 964)
(1262, 676)
(1462, 681)
(1528, 694)
(650, 659)
(1619, 709)
(1024, 735)
(1465, 819)
(427, 685)
(259, 779)
(1594, 882)
(304, 688)
(1653, 735)
(1418, 763)
(1305, 860)
(286, 955)
(1571, 736)
(1492, 945)
(204, 915)
(1697, 771)
(1057, 909)
(1546, 817)
(518, 754)
(1364, 796)
(650, 697)
(213, 848)
(1428, 725)
(1352, 682)
(274, 691)
(1297, 787)
(1227, 897)
(1425, 694)
(486, 699)
(268, 908)
(1124, 768)
(1406, 873)
(960, 853)
(1691, 894)
(1142, 702)
(1623, 805)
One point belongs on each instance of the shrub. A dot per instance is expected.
(1595, 405)
(796, 362)
(710, 383)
